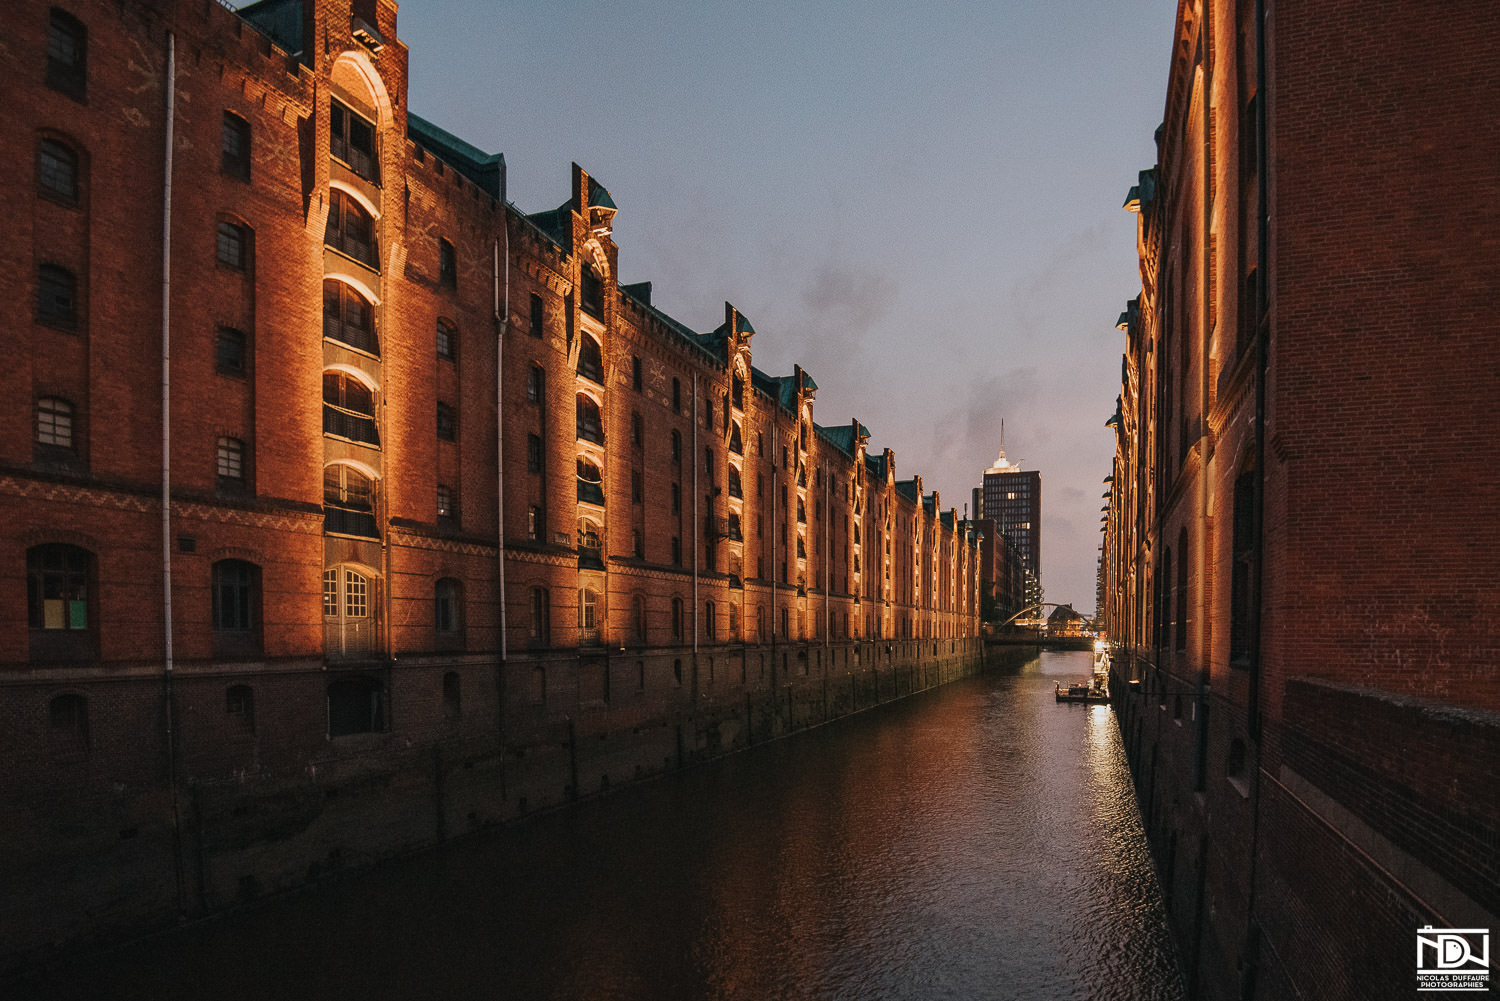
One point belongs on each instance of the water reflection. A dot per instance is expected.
(976, 842)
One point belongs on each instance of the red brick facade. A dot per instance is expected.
(444, 498)
(1300, 552)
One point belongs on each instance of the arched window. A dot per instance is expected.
(236, 608)
(229, 463)
(348, 613)
(452, 696)
(736, 445)
(59, 611)
(590, 360)
(676, 396)
(54, 426)
(349, 502)
(590, 482)
(676, 448)
(590, 425)
(737, 392)
(232, 246)
(591, 298)
(351, 138)
(349, 409)
(536, 384)
(539, 627)
(734, 527)
(447, 340)
(637, 431)
(735, 488)
(67, 54)
(448, 612)
(351, 229)
(57, 171)
(234, 143)
(68, 726)
(355, 705)
(57, 297)
(348, 317)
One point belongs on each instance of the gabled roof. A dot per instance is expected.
(907, 489)
(781, 388)
(875, 463)
(487, 170)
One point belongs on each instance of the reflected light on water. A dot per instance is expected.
(978, 841)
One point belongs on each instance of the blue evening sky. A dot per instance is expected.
(918, 203)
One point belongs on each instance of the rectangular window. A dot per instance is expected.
(54, 423)
(231, 460)
(534, 525)
(592, 298)
(57, 172)
(536, 381)
(447, 509)
(447, 265)
(533, 454)
(351, 139)
(233, 247)
(447, 422)
(229, 351)
(635, 372)
(447, 341)
(536, 315)
(235, 147)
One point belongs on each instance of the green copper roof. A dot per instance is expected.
(487, 170)
(599, 198)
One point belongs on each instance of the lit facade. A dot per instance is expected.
(435, 486)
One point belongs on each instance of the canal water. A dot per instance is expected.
(977, 841)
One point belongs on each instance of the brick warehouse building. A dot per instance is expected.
(1304, 510)
(310, 636)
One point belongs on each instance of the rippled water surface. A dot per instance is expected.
(979, 841)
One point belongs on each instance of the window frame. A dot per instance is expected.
(57, 296)
(58, 171)
(67, 73)
(232, 246)
(234, 132)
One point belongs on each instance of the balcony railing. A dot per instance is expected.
(348, 638)
(346, 424)
(590, 430)
(344, 521)
(362, 251)
(590, 636)
(355, 337)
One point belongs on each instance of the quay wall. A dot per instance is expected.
(95, 861)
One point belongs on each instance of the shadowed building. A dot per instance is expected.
(1303, 521)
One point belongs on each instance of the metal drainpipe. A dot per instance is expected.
(827, 579)
(1251, 946)
(166, 466)
(502, 316)
(693, 461)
